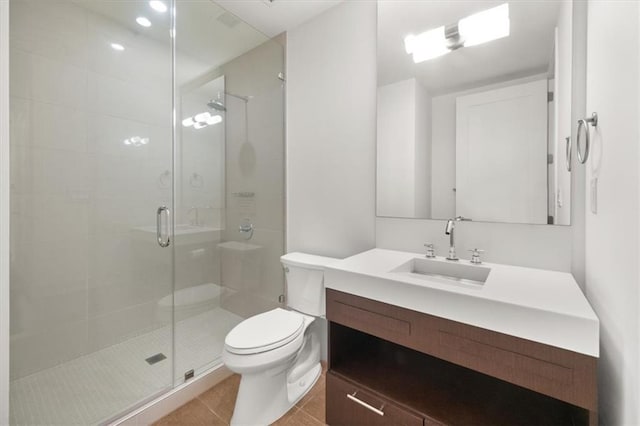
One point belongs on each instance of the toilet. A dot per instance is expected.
(277, 353)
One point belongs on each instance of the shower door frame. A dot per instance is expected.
(4, 212)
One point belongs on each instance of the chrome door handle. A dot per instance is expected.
(161, 242)
(365, 405)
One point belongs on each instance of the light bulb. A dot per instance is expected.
(141, 20)
(199, 125)
(428, 45)
(214, 119)
(188, 122)
(158, 6)
(203, 116)
(117, 46)
(481, 27)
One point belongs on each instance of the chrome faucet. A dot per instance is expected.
(449, 230)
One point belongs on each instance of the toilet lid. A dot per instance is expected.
(264, 332)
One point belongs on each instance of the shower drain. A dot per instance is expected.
(155, 358)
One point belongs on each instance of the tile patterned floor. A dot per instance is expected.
(215, 407)
(91, 389)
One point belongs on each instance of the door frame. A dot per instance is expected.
(4, 212)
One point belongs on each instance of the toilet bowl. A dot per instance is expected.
(277, 353)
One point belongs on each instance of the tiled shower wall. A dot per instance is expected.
(251, 269)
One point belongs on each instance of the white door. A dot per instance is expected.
(501, 154)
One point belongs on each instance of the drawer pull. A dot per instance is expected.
(365, 405)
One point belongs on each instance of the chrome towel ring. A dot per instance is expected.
(568, 152)
(584, 123)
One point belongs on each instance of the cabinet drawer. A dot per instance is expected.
(349, 405)
(371, 317)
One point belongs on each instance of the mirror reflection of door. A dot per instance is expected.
(501, 154)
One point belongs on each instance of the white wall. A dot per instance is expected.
(331, 113)
(403, 150)
(536, 246)
(4, 213)
(422, 160)
(396, 143)
(612, 235)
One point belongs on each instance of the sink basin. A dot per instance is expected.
(445, 271)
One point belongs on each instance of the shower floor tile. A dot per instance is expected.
(93, 388)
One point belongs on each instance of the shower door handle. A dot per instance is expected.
(162, 242)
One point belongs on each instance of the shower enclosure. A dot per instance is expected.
(147, 198)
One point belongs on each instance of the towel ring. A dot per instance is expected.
(568, 152)
(584, 123)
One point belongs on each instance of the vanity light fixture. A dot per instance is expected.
(142, 21)
(158, 6)
(481, 27)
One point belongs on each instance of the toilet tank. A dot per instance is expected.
(305, 282)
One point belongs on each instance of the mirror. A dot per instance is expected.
(474, 108)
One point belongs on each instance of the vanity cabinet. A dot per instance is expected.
(389, 365)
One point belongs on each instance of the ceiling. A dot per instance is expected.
(528, 50)
(211, 33)
(277, 16)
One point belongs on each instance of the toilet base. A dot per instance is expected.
(264, 398)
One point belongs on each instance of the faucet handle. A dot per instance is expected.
(431, 253)
(475, 256)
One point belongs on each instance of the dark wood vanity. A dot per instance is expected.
(393, 366)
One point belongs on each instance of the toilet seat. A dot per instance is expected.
(264, 332)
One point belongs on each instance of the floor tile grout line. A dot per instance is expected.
(211, 409)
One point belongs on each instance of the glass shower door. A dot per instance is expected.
(92, 161)
(230, 173)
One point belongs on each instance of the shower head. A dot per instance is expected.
(217, 105)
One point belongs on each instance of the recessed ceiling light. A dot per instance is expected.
(141, 20)
(158, 6)
(116, 46)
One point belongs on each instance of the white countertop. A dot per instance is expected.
(534, 304)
